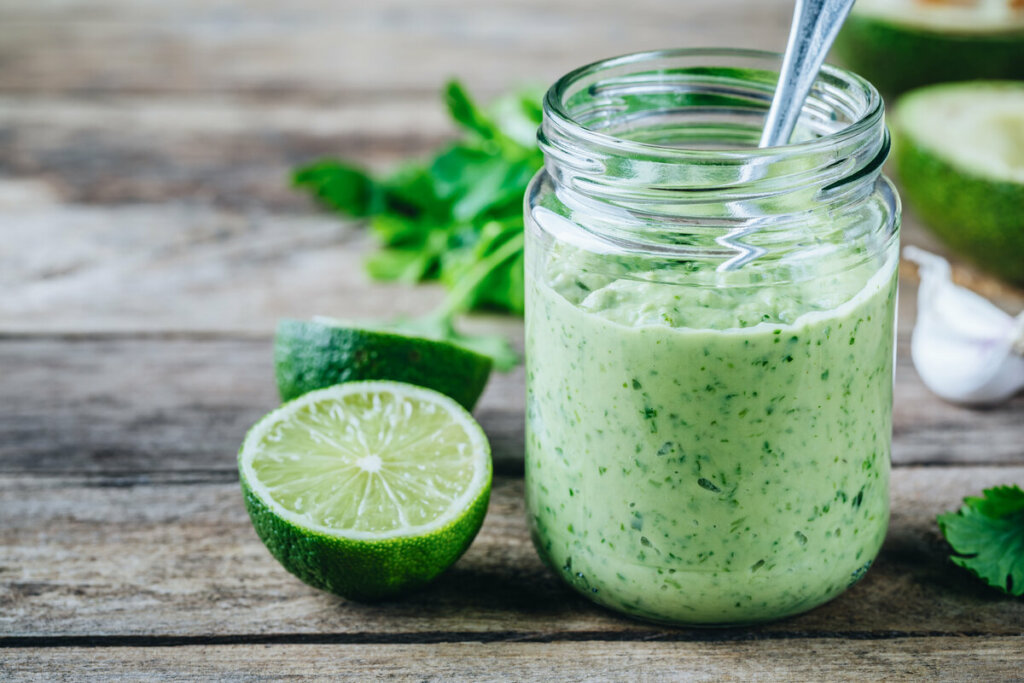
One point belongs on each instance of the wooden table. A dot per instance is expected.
(149, 242)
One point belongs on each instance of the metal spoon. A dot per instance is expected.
(816, 24)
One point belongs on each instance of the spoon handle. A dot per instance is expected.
(816, 24)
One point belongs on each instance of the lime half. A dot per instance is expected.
(312, 355)
(367, 489)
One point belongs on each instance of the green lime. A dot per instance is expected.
(366, 489)
(312, 355)
(903, 44)
(959, 154)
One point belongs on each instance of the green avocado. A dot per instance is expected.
(903, 44)
(959, 156)
(312, 355)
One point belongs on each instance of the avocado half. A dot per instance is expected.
(903, 44)
(959, 157)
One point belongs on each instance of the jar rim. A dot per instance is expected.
(657, 152)
(869, 116)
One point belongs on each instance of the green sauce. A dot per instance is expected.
(708, 457)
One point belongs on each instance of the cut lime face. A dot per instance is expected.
(368, 460)
(367, 489)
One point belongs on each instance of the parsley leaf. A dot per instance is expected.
(437, 218)
(467, 114)
(340, 186)
(456, 217)
(987, 537)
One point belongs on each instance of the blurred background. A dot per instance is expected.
(145, 146)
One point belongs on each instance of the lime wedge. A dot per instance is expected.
(366, 489)
(312, 355)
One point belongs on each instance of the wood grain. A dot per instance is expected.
(138, 404)
(211, 150)
(275, 49)
(175, 555)
(934, 659)
(95, 403)
(148, 244)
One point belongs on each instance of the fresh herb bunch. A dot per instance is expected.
(440, 218)
(987, 537)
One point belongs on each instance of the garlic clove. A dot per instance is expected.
(965, 349)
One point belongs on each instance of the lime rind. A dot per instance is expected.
(304, 413)
(363, 570)
(310, 355)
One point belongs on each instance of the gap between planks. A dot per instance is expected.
(86, 404)
(901, 659)
(84, 563)
(699, 635)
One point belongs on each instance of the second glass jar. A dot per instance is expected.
(710, 334)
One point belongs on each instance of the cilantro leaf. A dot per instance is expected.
(399, 263)
(987, 537)
(999, 501)
(501, 284)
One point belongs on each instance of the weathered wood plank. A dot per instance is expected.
(180, 267)
(207, 150)
(275, 48)
(189, 266)
(934, 659)
(173, 403)
(149, 244)
(204, 154)
(168, 555)
(164, 404)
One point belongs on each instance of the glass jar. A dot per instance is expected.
(709, 338)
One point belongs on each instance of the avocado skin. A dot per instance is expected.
(982, 219)
(896, 58)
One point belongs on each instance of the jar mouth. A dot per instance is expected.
(573, 104)
(657, 152)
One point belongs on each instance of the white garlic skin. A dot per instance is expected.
(965, 349)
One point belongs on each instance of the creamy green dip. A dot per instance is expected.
(708, 456)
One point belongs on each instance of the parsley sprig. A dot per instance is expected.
(437, 219)
(456, 217)
(987, 537)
